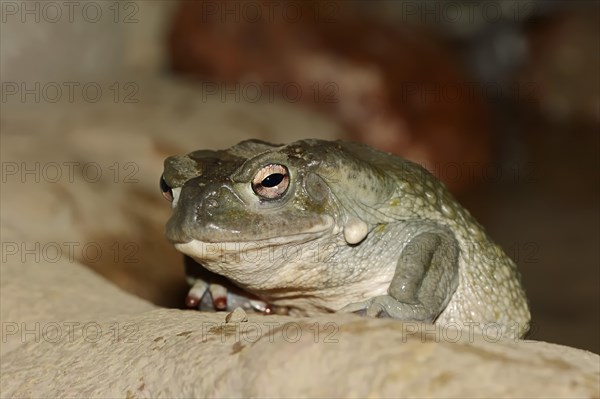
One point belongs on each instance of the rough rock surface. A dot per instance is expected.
(92, 340)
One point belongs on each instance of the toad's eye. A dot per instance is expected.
(167, 192)
(271, 181)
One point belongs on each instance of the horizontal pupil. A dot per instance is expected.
(272, 180)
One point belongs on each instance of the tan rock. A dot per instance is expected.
(69, 333)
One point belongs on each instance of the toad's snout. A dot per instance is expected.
(200, 208)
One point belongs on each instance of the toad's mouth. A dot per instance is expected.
(189, 238)
(203, 250)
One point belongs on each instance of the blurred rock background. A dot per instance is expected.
(500, 99)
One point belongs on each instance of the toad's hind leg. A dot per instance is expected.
(426, 276)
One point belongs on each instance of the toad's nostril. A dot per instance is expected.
(166, 190)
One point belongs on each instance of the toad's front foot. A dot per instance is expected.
(217, 297)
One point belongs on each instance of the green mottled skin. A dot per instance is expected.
(424, 257)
